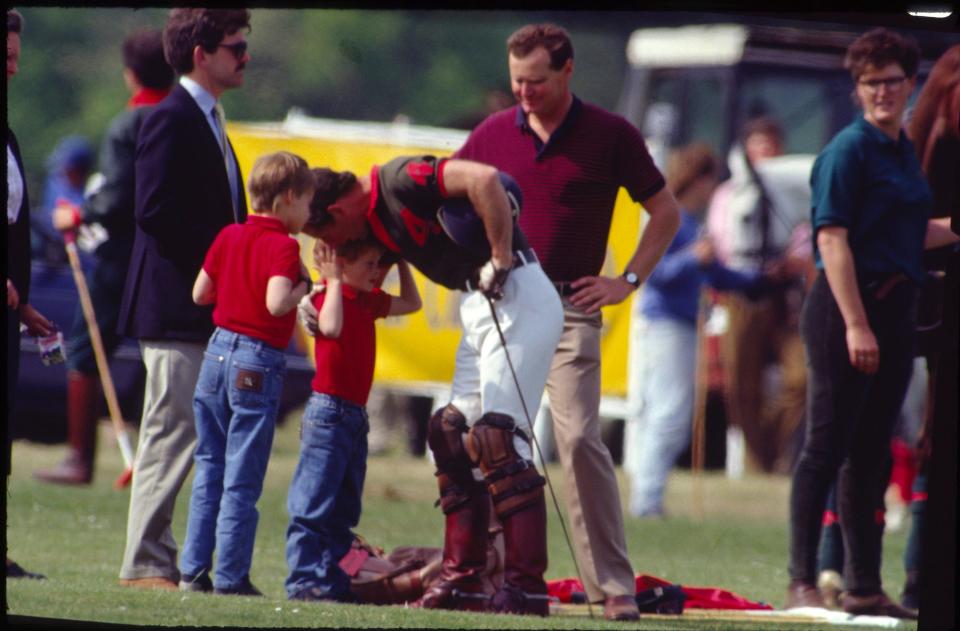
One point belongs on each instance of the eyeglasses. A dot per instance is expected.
(239, 49)
(893, 83)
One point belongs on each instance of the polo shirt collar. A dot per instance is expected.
(524, 126)
(878, 136)
(267, 222)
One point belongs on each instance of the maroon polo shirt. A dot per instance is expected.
(570, 183)
(241, 260)
(345, 363)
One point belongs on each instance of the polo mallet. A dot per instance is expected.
(697, 445)
(536, 444)
(70, 239)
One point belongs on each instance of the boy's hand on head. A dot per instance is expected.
(326, 261)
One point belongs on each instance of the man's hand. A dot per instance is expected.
(703, 251)
(13, 296)
(307, 313)
(491, 280)
(37, 325)
(66, 216)
(594, 292)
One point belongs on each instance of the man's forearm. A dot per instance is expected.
(657, 235)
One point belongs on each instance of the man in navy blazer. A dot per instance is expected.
(188, 187)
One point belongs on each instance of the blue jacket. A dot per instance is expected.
(673, 288)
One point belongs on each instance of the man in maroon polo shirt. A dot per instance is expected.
(570, 159)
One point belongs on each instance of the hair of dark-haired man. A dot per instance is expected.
(554, 39)
(880, 47)
(188, 28)
(14, 21)
(330, 185)
(143, 55)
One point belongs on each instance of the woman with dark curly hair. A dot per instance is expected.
(871, 204)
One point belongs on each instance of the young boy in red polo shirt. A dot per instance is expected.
(253, 276)
(325, 493)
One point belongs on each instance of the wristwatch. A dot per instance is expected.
(631, 278)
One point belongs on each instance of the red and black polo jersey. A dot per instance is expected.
(407, 194)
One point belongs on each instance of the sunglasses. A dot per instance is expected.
(239, 49)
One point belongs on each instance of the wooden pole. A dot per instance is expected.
(103, 367)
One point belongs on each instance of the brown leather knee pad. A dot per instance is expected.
(445, 431)
(513, 481)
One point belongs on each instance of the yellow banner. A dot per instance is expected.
(420, 348)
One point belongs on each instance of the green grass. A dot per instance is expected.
(76, 537)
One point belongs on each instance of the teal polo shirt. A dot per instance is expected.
(873, 186)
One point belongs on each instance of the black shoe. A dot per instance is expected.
(245, 588)
(15, 571)
(910, 598)
(199, 583)
(316, 594)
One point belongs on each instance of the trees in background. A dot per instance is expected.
(434, 67)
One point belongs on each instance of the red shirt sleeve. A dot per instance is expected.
(286, 261)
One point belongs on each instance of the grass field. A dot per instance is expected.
(76, 537)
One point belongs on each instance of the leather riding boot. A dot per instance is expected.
(525, 560)
(83, 391)
(459, 585)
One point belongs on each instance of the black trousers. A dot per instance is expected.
(850, 418)
(13, 372)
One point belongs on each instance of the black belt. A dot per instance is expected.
(565, 289)
(520, 258)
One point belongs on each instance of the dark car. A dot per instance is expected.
(39, 409)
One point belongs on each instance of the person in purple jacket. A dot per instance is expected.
(666, 332)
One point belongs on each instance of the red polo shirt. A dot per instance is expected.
(241, 260)
(345, 363)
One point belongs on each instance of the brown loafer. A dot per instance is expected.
(801, 594)
(878, 604)
(150, 582)
(621, 608)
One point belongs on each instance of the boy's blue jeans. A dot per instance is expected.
(324, 498)
(235, 409)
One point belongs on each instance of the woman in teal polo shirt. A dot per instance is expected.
(870, 209)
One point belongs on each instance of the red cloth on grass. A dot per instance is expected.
(697, 597)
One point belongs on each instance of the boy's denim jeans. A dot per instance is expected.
(235, 408)
(324, 498)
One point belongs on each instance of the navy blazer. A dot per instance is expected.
(18, 235)
(182, 201)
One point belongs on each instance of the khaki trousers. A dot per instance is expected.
(164, 457)
(761, 332)
(592, 496)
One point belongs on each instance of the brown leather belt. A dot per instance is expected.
(880, 288)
